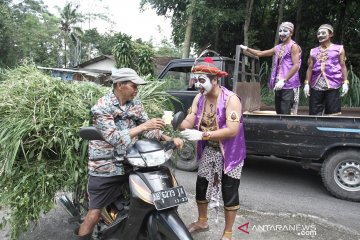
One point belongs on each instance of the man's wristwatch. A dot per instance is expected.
(206, 136)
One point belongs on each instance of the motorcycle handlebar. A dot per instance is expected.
(169, 145)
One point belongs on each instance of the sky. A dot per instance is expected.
(126, 16)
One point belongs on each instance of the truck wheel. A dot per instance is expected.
(341, 174)
(185, 159)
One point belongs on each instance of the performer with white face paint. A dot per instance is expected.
(202, 83)
(215, 121)
(326, 74)
(285, 78)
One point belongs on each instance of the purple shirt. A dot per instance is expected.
(233, 149)
(327, 64)
(283, 65)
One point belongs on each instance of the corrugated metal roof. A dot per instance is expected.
(93, 72)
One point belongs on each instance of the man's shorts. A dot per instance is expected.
(104, 190)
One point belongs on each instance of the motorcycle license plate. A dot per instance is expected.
(169, 198)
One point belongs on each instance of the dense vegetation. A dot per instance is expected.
(29, 30)
(220, 23)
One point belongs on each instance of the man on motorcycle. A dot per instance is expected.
(121, 119)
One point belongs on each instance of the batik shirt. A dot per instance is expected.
(327, 67)
(114, 122)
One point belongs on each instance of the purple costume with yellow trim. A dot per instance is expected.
(282, 65)
(327, 64)
(232, 149)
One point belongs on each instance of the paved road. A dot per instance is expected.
(278, 186)
(279, 200)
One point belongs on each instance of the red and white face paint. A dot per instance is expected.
(323, 35)
(202, 83)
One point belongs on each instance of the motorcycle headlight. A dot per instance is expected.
(136, 161)
(154, 158)
(168, 154)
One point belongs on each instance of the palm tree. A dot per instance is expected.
(69, 18)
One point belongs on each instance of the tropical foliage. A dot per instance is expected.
(27, 31)
(133, 54)
(220, 23)
(71, 33)
(124, 51)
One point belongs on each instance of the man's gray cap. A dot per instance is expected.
(126, 74)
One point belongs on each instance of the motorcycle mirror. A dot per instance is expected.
(177, 119)
(90, 133)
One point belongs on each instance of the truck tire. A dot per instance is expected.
(340, 173)
(185, 159)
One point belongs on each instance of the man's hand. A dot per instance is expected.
(243, 47)
(279, 84)
(155, 123)
(192, 134)
(344, 89)
(307, 90)
(179, 143)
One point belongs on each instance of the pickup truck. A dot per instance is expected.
(329, 144)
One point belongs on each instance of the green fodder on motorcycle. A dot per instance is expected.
(40, 150)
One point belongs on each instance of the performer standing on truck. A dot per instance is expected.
(285, 78)
(215, 121)
(325, 75)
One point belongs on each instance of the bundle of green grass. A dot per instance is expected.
(40, 150)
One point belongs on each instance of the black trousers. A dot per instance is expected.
(229, 189)
(284, 101)
(327, 102)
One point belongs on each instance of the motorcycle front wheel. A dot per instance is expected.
(167, 224)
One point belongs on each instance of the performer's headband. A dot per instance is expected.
(287, 25)
(328, 27)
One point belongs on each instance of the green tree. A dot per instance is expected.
(8, 30)
(27, 31)
(144, 55)
(71, 33)
(249, 7)
(91, 40)
(107, 42)
(167, 49)
(214, 23)
(124, 51)
(134, 54)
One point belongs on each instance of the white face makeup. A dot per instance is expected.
(284, 33)
(203, 83)
(323, 35)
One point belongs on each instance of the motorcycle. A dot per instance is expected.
(147, 208)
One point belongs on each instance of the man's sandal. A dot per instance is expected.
(195, 228)
(226, 236)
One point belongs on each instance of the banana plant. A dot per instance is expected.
(124, 52)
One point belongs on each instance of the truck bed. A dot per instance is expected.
(300, 136)
(345, 112)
